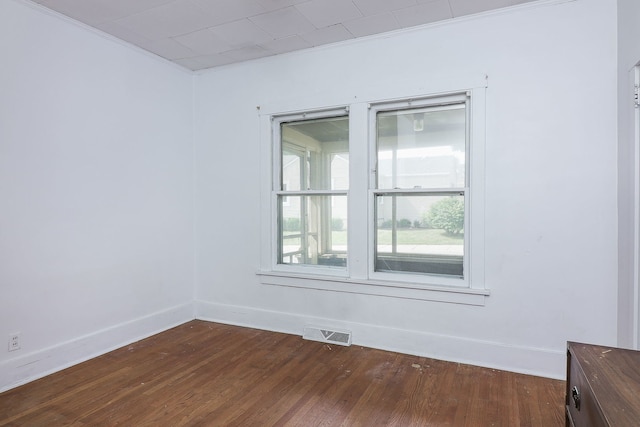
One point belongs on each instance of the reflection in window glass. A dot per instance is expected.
(315, 154)
(422, 147)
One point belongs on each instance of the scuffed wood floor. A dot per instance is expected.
(208, 374)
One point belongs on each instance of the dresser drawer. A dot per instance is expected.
(582, 409)
(603, 386)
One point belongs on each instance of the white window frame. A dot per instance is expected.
(276, 143)
(373, 191)
(359, 276)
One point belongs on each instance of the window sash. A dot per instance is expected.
(403, 247)
(307, 231)
(425, 104)
(277, 139)
(319, 235)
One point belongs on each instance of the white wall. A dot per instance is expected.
(628, 57)
(551, 158)
(96, 193)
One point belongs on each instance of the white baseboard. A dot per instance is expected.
(29, 367)
(550, 363)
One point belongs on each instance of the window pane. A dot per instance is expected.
(313, 230)
(420, 234)
(292, 168)
(315, 154)
(422, 147)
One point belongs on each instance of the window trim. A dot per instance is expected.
(356, 277)
(408, 290)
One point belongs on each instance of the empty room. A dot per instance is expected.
(317, 212)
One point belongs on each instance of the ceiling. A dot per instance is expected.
(199, 34)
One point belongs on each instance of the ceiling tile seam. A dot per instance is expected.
(450, 8)
(363, 15)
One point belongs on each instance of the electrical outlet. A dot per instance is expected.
(14, 341)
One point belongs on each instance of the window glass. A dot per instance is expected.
(313, 230)
(420, 189)
(422, 147)
(292, 161)
(315, 154)
(312, 198)
(417, 233)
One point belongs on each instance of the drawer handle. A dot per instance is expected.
(575, 393)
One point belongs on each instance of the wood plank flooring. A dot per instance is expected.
(208, 374)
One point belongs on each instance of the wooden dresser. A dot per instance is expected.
(603, 386)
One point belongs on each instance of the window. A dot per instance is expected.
(384, 198)
(311, 189)
(420, 186)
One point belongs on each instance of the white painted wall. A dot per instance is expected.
(628, 57)
(551, 159)
(96, 193)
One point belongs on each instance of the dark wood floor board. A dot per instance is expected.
(207, 374)
(329, 402)
(257, 371)
(305, 386)
(413, 405)
(378, 414)
(282, 400)
(331, 397)
(442, 407)
(468, 385)
(189, 381)
(299, 372)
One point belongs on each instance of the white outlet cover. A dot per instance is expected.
(14, 342)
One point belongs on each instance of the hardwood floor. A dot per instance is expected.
(208, 374)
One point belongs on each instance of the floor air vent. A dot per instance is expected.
(315, 333)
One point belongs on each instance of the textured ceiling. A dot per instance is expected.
(199, 34)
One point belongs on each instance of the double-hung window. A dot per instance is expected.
(404, 215)
(311, 185)
(420, 188)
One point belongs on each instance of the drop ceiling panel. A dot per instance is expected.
(374, 7)
(327, 35)
(271, 5)
(246, 53)
(241, 33)
(222, 11)
(467, 7)
(323, 13)
(287, 44)
(203, 42)
(375, 24)
(168, 48)
(433, 11)
(172, 19)
(88, 11)
(117, 30)
(283, 22)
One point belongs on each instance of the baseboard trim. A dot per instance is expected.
(29, 367)
(550, 363)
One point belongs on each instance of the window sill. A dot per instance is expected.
(449, 294)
